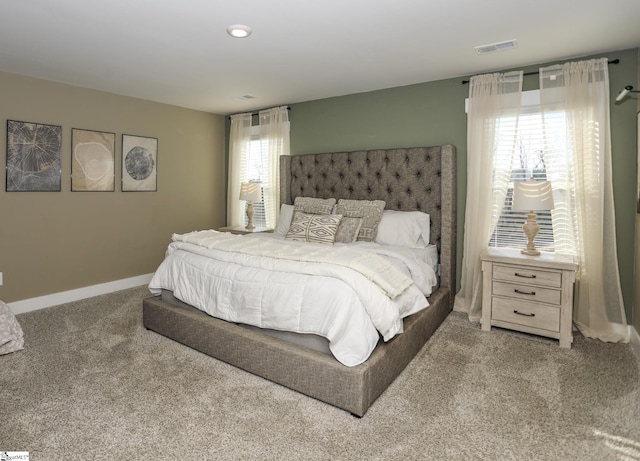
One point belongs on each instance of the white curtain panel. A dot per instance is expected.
(239, 148)
(581, 90)
(274, 142)
(492, 125)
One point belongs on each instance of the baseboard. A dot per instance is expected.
(41, 302)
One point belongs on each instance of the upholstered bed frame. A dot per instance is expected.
(422, 178)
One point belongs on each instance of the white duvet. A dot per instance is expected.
(337, 302)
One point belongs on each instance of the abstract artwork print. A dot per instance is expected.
(34, 157)
(92, 160)
(139, 163)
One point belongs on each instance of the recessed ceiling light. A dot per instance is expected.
(239, 31)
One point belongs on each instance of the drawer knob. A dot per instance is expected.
(526, 276)
(528, 293)
(526, 314)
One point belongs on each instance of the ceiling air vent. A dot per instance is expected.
(245, 96)
(500, 46)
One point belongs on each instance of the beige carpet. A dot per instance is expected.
(92, 383)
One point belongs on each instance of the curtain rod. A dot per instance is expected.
(253, 113)
(615, 61)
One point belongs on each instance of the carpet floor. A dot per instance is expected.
(93, 384)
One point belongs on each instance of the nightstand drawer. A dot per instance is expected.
(527, 314)
(527, 275)
(527, 292)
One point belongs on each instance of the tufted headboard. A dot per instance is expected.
(408, 179)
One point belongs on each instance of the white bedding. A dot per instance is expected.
(426, 278)
(377, 269)
(329, 300)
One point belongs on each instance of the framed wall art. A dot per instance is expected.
(34, 157)
(92, 160)
(139, 163)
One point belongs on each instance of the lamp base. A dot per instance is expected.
(250, 216)
(531, 229)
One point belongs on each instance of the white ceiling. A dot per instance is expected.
(178, 51)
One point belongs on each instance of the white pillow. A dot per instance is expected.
(284, 220)
(404, 228)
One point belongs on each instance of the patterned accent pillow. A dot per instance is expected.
(315, 228)
(348, 230)
(314, 205)
(369, 210)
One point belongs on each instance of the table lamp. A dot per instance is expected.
(532, 196)
(250, 191)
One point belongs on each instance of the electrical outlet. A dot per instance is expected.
(0, 279)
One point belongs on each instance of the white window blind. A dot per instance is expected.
(254, 174)
(529, 160)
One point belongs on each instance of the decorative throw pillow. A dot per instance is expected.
(315, 228)
(369, 210)
(314, 205)
(348, 230)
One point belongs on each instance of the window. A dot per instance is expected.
(254, 153)
(254, 169)
(530, 160)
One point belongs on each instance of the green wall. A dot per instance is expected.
(433, 113)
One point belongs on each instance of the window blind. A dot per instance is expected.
(253, 171)
(528, 159)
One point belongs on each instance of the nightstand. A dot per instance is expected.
(244, 230)
(533, 294)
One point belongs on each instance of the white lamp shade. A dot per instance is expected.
(532, 196)
(250, 191)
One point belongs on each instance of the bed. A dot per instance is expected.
(406, 179)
